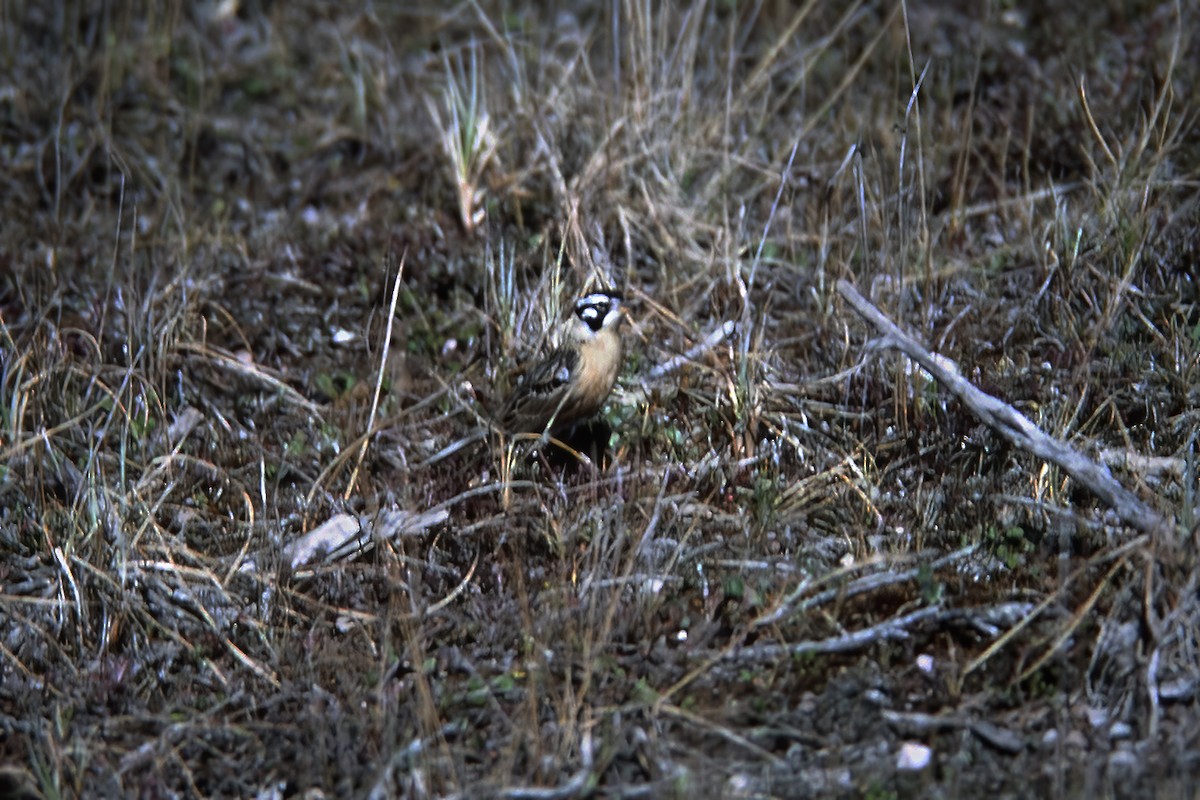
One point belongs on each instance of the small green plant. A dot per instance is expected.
(766, 497)
(877, 791)
(1010, 545)
(932, 590)
(334, 384)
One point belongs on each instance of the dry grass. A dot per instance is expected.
(786, 556)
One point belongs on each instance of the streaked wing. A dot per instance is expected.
(540, 393)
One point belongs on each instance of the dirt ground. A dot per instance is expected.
(268, 270)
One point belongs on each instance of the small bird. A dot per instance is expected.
(577, 377)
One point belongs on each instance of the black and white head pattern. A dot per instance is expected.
(598, 309)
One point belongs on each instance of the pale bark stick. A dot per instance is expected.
(1012, 424)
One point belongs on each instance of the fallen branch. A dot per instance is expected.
(1012, 424)
(719, 334)
(897, 628)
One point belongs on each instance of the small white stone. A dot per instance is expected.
(1120, 730)
(913, 756)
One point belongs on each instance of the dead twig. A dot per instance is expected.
(890, 629)
(793, 604)
(1012, 424)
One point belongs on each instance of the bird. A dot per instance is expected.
(575, 379)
